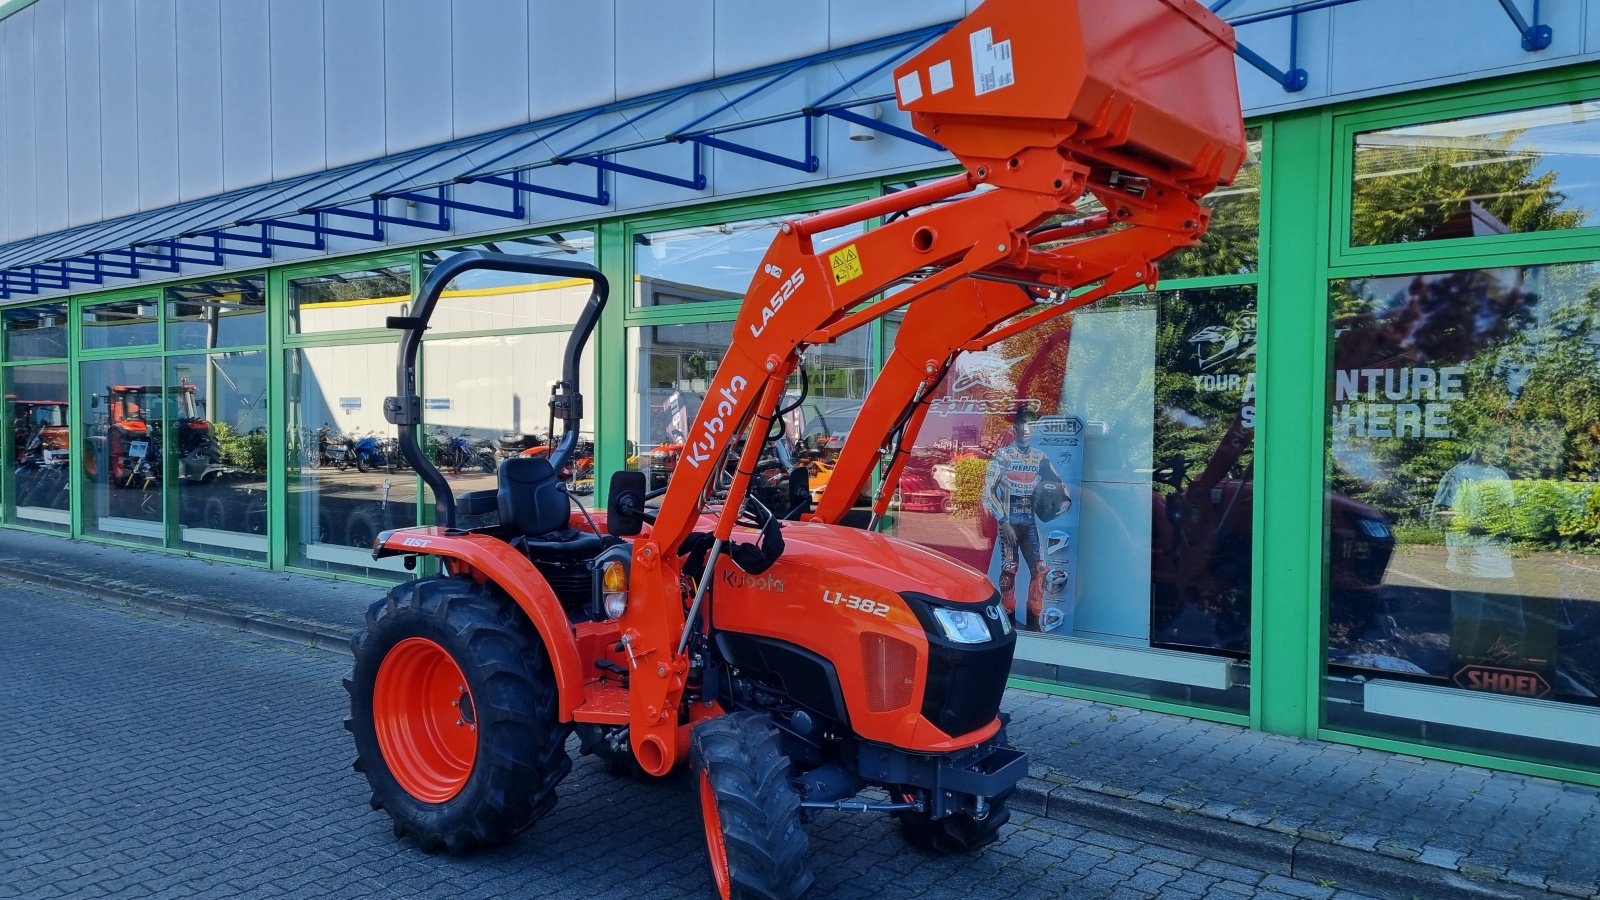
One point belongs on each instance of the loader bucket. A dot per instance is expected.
(1109, 81)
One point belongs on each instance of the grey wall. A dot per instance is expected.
(109, 107)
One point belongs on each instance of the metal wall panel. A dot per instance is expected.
(352, 61)
(156, 67)
(246, 94)
(851, 22)
(199, 98)
(749, 35)
(572, 56)
(417, 73)
(50, 105)
(661, 45)
(299, 129)
(83, 113)
(489, 81)
(5, 147)
(17, 112)
(1400, 41)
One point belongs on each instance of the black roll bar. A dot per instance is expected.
(566, 399)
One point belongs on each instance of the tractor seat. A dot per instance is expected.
(534, 507)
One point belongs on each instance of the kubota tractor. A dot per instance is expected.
(791, 661)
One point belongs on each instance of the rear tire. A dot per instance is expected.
(446, 788)
(754, 839)
(956, 833)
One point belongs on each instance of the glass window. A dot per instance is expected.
(34, 332)
(1508, 173)
(488, 398)
(33, 471)
(217, 410)
(346, 479)
(122, 410)
(126, 323)
(228, 312)
(672, 367)
(709, 262)
(485, 300)
(1231, 245)
(1098, 468)
(1463, 513)
(347, 301)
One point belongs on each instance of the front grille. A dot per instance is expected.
(891, 668)
(965, 685)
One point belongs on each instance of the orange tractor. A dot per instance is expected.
(791, 661)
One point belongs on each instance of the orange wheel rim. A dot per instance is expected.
(425, 719)
(714, 840)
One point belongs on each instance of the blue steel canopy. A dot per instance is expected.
(493, 174)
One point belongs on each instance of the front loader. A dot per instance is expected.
(792, 662)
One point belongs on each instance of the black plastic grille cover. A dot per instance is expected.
(965, 681)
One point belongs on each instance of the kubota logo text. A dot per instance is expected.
(705, 446)
(779, 297)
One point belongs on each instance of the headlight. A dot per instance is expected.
(1374, 528)
(961, 626)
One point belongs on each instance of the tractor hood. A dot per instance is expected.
(878, 559)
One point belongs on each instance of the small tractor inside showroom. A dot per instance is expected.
(795, 664)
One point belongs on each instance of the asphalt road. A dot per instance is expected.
(143, 755)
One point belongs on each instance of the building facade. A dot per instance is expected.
(1339, 477)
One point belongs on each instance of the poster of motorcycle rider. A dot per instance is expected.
(1028, 490)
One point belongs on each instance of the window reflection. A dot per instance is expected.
(127, 323)
(484, 300)
(1509, 173)
(34, 332)
(346, 478)
(1465, 421)
(124, 452)
(38, 451)
(704, 263)
(673, 366)
(221, 452)
(226, 312)
(348, 301)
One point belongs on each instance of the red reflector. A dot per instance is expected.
(891, 668)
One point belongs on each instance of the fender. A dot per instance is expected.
(489, 559)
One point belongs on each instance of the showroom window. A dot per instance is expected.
(1463, 508)
(348, 300)
(496, 347)
(1528, 170)
(1099, 468)
(703, 263)
(35, 447)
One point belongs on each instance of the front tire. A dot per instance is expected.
(754, 839)
(455, 716)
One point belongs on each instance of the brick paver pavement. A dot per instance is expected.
(142, 755)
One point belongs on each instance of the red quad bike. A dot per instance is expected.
(790, 661)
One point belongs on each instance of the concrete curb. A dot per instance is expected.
(1277, 852)
(293, 631)
(1292, 856)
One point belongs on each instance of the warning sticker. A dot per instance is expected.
(846, 264)
(991, 63)
(940, 78)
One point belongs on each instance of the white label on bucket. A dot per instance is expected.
(910, 87)
(940, 77)
(991, 63)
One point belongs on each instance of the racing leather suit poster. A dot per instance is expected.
(1030, 488)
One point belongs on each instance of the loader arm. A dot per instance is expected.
(1041, 101)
